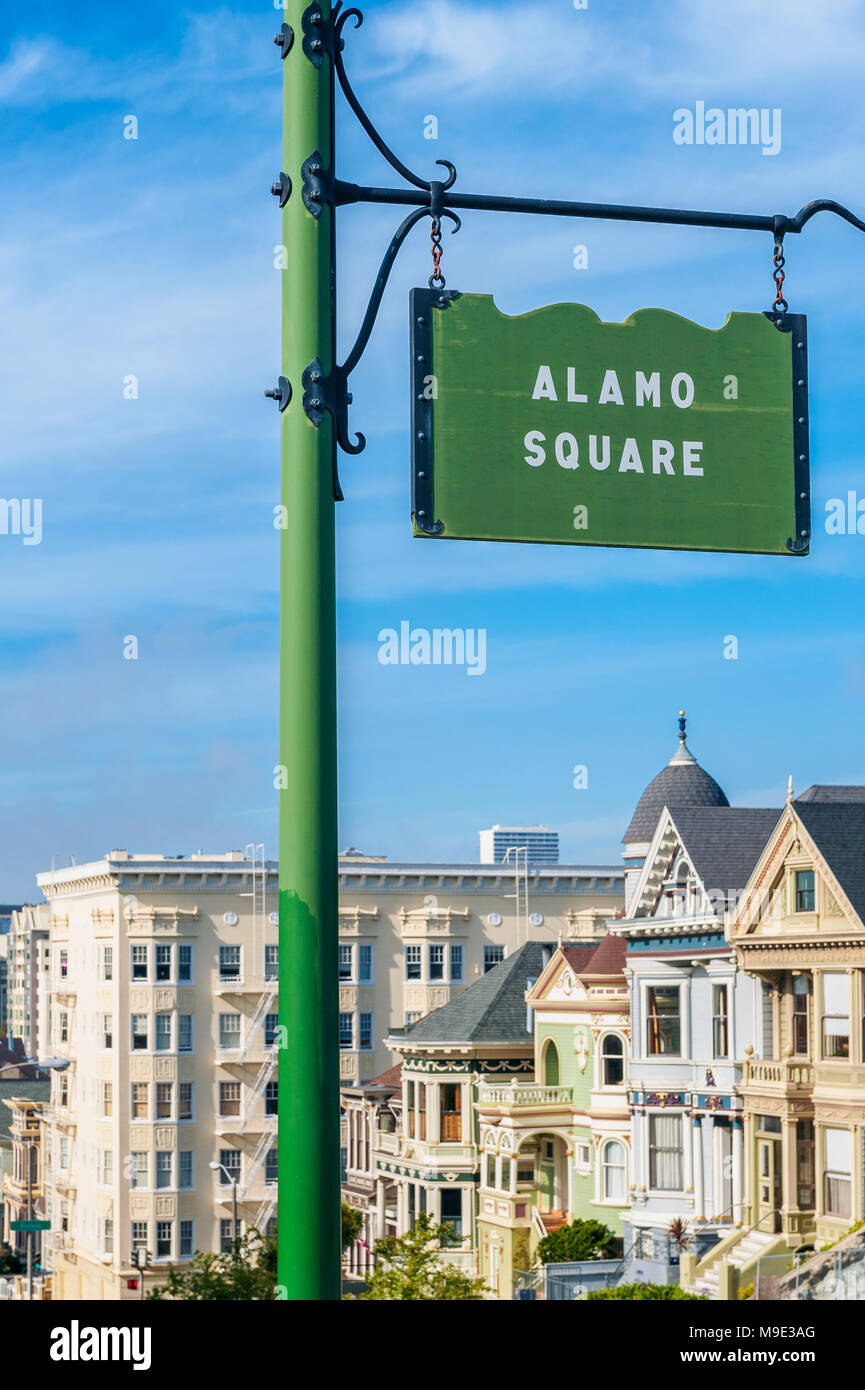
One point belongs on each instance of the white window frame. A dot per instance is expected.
(369, 978)
(233, 1014)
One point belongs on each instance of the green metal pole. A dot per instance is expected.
(309, 1245)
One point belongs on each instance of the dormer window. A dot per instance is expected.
(804, 890)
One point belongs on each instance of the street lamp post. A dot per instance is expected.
(220, 1168)
(49, 1064)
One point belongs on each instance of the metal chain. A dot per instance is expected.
(437, 279)
(780, 305)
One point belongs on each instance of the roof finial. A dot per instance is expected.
(682, 722)
(789, 789)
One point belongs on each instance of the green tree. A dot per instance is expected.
(245, 1272)
(640, 1292)
(352, 1221)
(411, 1267)
(582, 1240)
(9, 1262)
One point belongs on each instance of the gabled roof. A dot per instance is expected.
(824, 793)
(604, 960)
(391, 1077)
(724, 843)
(493, 1009)
(838, 830)
(607, 959)
(578, 957)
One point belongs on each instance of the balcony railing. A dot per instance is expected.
(788, 1072)
(524, 1093)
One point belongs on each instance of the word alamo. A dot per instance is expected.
(417, 646)
(647, 391)
(76, 1343)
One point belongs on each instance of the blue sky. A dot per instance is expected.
(154, 257)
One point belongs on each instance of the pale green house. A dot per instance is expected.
(558, 1147)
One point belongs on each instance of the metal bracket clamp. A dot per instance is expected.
(281, 392)
(320, 35)
(329, 391)
(317, 184)
(281, 188)
(284, 40)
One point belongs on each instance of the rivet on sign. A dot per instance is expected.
(315, 404)
(315, 376)
(802, 458)
(421, 434)
(803, 533)
(801, 419)
(421, 513)
(800, 383)
(421, 320)
(421, 357)
(800, 345)
(423, 475)
(803, 495)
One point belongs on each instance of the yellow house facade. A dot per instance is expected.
(800, 929)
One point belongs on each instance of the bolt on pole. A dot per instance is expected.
(309, 1245)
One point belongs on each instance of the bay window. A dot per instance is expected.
(665, 1152)
(837, 1171)
(663, 1021)
(836, 1014)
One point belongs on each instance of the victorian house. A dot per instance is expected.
(557, 1147)
(694, 1016)
(800, 932)
(413, 1133)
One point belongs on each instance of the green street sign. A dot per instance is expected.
(555, 427)
(30, 1225)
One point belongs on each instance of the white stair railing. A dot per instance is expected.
(255, 1022)
(255, 1163)
(265, 1072)
(264, 1213)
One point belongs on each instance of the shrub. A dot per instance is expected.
(640, 1292)
(582, 1240)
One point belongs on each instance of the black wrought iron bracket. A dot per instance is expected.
(323, 35)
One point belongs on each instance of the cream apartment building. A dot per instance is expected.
(164, 999)
(411, 936)
(163, 995)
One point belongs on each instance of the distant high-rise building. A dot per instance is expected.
(542, 843)
(28, 978)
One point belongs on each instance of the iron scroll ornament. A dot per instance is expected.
(437, 199)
